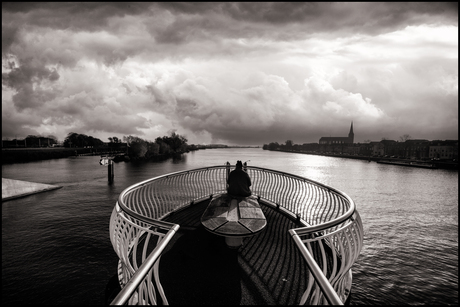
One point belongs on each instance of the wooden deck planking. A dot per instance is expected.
(198, 268)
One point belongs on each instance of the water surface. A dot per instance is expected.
(56, 247)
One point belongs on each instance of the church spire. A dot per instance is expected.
(351, 135)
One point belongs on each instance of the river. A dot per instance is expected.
(56, 247)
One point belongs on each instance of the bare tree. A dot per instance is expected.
(405, 137)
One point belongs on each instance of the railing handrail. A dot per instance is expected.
(329, 292)
(331, 223)
(127, 291)
(314, 228)
(324, 206)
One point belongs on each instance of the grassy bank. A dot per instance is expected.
(18, 155)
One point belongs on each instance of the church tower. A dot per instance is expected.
(351, 135)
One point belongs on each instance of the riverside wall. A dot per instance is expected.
(396, 161)
(18, 155)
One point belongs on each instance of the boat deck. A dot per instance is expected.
(198, 268)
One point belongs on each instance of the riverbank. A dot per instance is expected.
(19, 155)
(394, 161)
(12, 189)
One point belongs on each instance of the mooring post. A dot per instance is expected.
(228, 168)
(110, 171)
(228, 172)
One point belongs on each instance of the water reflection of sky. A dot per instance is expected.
(410, 220)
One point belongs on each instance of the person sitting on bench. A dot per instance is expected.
(239, 182)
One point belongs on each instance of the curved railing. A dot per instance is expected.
(329, 216)
(139, 246)
(345, 243)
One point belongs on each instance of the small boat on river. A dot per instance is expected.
(181, 239)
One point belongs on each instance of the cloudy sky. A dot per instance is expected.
(232, 73)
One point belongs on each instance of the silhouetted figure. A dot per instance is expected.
(239, 182)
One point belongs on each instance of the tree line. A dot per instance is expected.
(74, 139)
(162, 146)
(138, 148)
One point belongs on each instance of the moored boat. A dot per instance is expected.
(304, 254)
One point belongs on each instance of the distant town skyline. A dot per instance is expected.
(231, 73)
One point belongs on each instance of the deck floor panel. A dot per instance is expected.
(198, 268)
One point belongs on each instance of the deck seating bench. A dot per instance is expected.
(233, 218)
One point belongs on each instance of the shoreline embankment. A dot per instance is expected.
(19, 155)
(12, 189)
(432, 164)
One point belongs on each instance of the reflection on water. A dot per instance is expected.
(56, 247)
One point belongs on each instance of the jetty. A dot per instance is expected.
(293, 241)
(12, 189)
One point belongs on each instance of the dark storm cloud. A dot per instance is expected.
(88, 16)
(360, 17)
(22, 78)
(8, 36)
(242, 18)
(232, 72)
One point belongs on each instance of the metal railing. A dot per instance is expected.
(329, 215)
(136, 241)
(345, 245)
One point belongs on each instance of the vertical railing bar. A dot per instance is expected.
(202, 187)
(184, 189)
(303, 199)
(306, 200)
(195, 184)
(177, 191)
(317, 292)
(144, 206)
(146, 244)
(271, 188)
(301, 196)
(135, 200)
(168, 194)
(190, 186)
(212, 178)
(149, 205)
(287, 203)
(325, 205)
(159, 204)
(200, 183)
(309, 203)
(282, 190)
(278, 183)
(261, 183)
(329, 211)
(315, 207)
(257, 183)
(155, 199)
(296, 197)
(334, 258)
(293, 194)
(162, 201)
(329, 292)
(172, 193)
